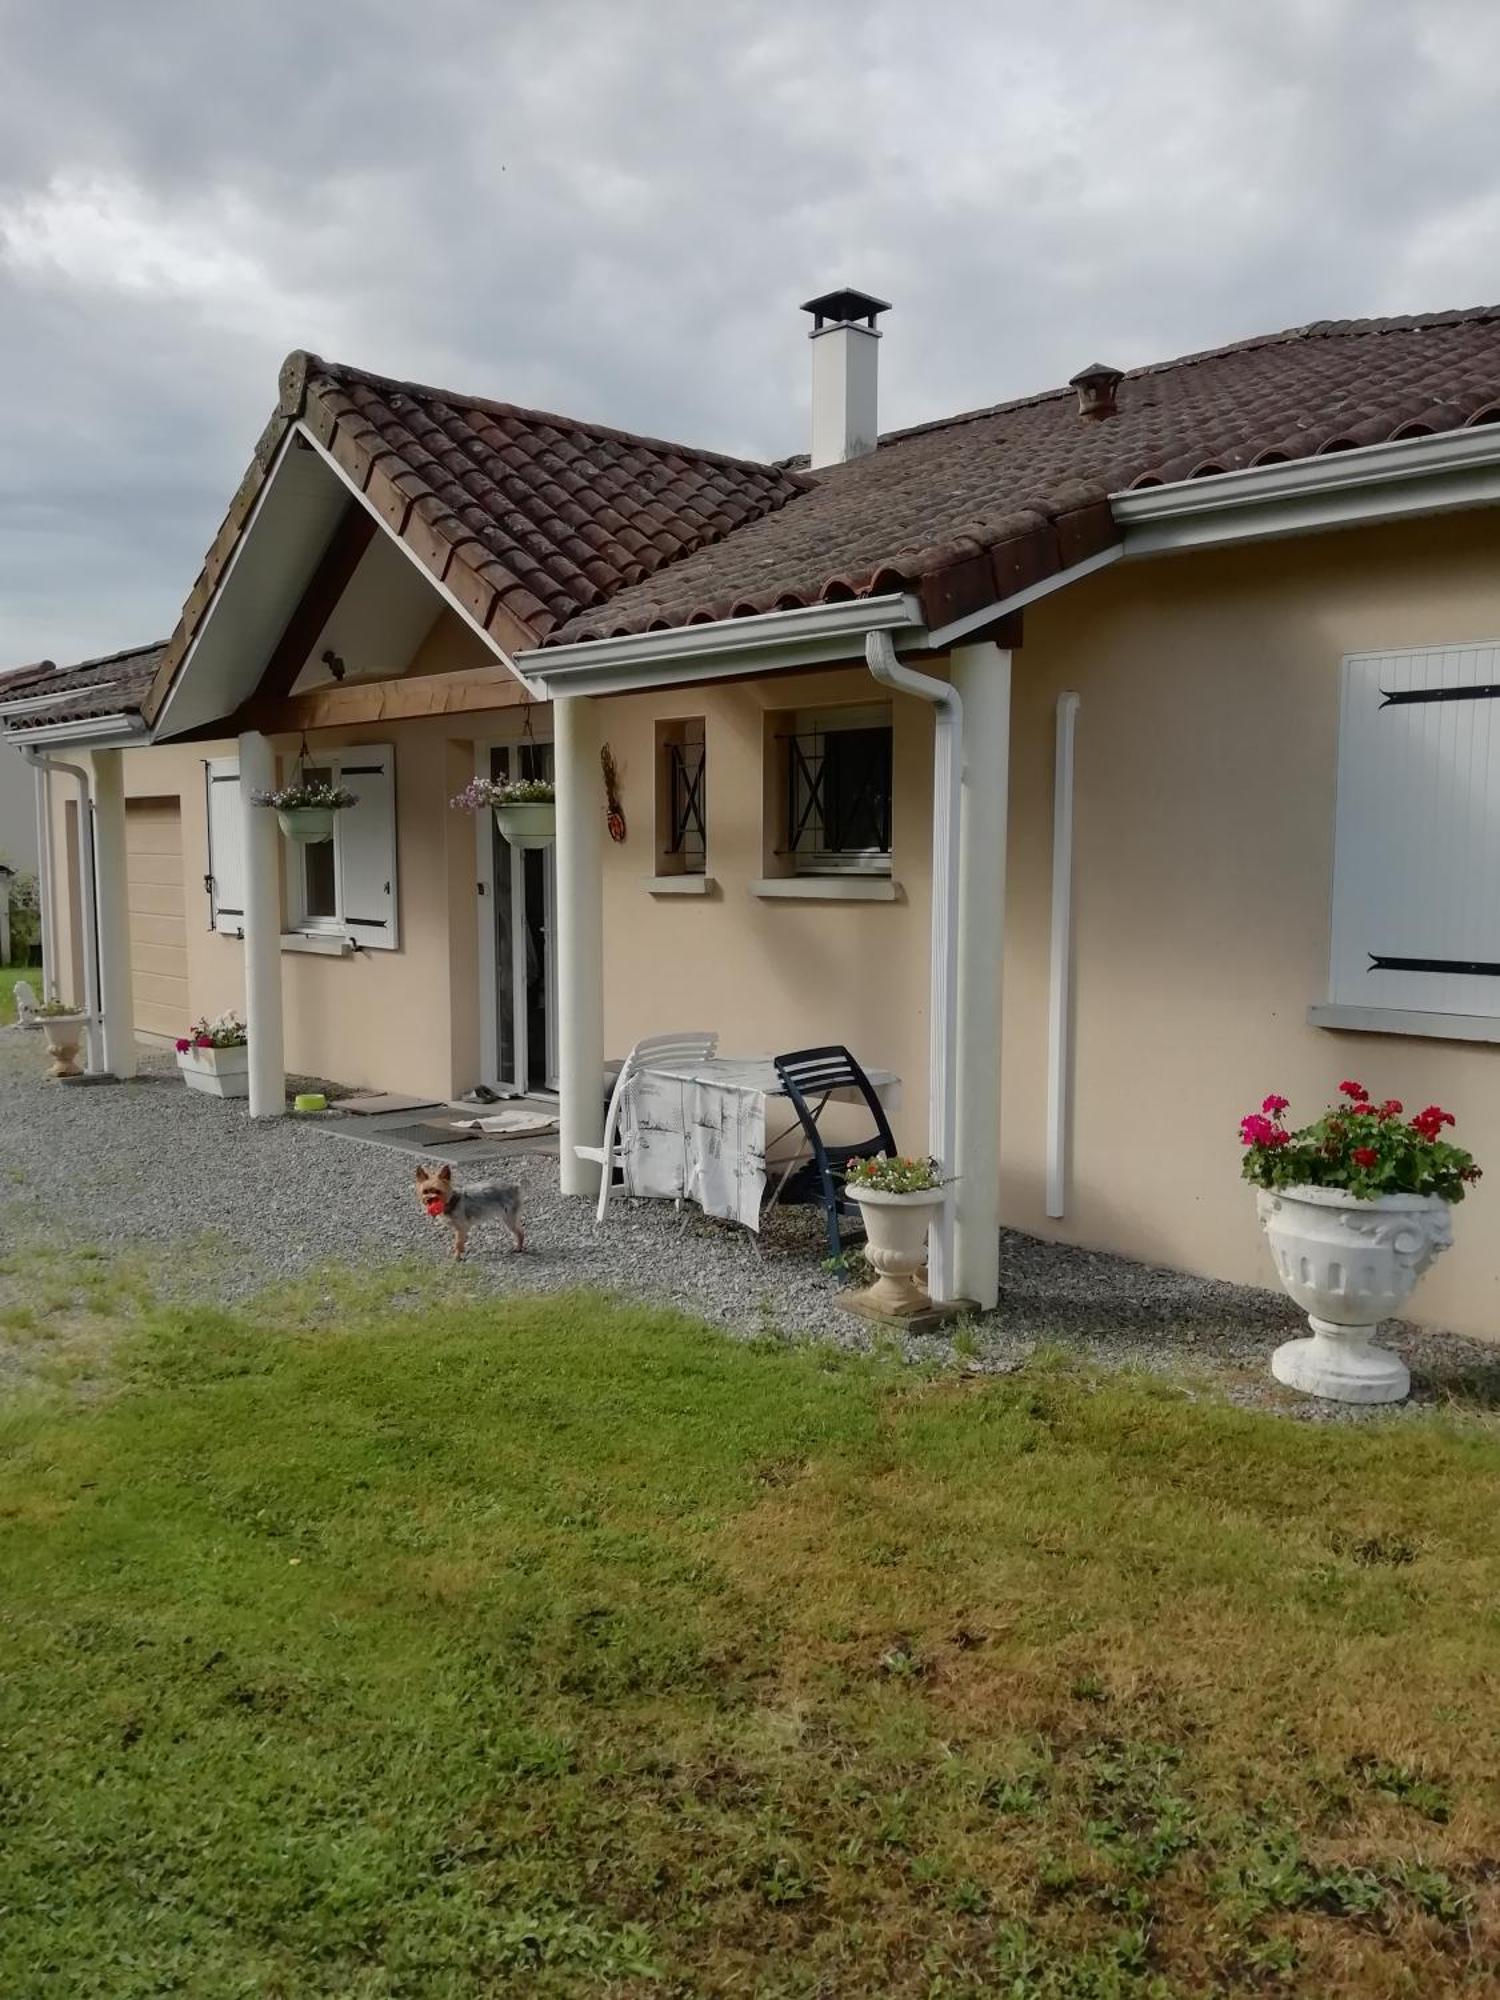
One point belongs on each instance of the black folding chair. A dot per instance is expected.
(810, 1077)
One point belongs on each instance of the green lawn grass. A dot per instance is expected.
(378, 1644)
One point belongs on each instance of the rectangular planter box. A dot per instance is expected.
(220, 1072)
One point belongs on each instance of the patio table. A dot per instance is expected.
(697, 1132)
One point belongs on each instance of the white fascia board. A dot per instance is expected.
(811, 635)
(101, 731)
(1424, 475)
(951, 635)
(459, 610)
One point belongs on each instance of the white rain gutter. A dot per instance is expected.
(947, 781)
(809, 635)
(1423, 475)
(41, 779)
(102, 732)
(1060, 979)
(88, 898)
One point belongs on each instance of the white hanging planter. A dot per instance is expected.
(528, 825)
(1349, 1264)
(306, 825)
(896, 1227)
(217, 1072)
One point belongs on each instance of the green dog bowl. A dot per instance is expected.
(310, 1100)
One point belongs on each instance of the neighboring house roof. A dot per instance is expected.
(526, 517)
(114, 684)
(971, 509)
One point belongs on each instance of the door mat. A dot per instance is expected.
(381, 1102)
(506, 1125)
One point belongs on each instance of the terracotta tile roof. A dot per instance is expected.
(113, 684)
(526, 517)
(548, 530)
(970, 509)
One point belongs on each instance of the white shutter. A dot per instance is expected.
(1416, 895)
(226, 846)
(367, 846)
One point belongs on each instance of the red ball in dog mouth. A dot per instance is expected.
(435, 1203)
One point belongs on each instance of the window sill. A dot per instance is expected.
(828, 888)
(323, 944)
(1405, 1021)
(680, 885)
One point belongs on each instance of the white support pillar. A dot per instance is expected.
(116, 1002)
(580, 938)
(262, 931)
(981, 673)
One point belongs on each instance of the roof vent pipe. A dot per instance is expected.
(1097, 388)
(845, 355)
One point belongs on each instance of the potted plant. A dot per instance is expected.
(305, 808)
(214, 1056)
(525, 809)
(64, 1025)
(1355, 1206)
(898, 1199)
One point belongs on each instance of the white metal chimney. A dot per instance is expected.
(845, 358)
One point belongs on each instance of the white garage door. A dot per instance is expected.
(158, 922)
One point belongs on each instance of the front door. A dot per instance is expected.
(525, 938)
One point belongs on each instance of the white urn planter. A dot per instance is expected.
(533, 824)
(1349, 1264)
(306, 825)
(219, 1072)
(64, 1033)
(896, 1228)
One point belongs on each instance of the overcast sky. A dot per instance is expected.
(614, 207)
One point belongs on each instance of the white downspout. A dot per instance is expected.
(42, 782)
(89, 912)
(947, 781)
(1060, 991)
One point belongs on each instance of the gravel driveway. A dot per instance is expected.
(152, 1166)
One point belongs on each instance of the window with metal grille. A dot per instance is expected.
(682, 797)
(838, 791)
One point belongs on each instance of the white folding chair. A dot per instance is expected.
(686, 1045)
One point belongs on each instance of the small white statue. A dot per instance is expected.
(26, 1004)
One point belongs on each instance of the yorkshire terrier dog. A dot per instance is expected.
(461, 1208)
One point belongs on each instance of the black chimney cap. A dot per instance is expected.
(844, 307)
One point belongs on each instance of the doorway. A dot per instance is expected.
(524, 939)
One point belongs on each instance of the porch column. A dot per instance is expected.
(117, 1003)
(46, 886)
(262, 931)
(580, 938)
(981, 673)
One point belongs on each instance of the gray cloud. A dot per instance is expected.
(612, 207)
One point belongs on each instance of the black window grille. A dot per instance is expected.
(686, 777)
(839, 797)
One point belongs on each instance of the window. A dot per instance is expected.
(1416, 891)
(345, 887)
(681, 797)
(838, 791)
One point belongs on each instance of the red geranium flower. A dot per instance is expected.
(1355, 1090)
(1275, 1105)
(202, 1043)
(1392, 1108)
(1365, 1156)
(183, 1045)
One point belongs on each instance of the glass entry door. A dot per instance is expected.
(525, 938)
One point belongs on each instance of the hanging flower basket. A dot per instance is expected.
(525, 809)
(305, 812)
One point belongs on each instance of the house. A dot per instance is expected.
(1097, 762)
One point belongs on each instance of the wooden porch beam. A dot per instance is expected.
(398, 700)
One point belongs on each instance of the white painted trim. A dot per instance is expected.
(1423, 475)
(1405, 1021)
(459, 610)
(116, 993)
(976, 621)
(85, 886)
(577, 740)
(322, 944)
(32, 704)
(827, 889)
(484, 879)
(263, 1008)
(46, 886)
(810, 635)
(1060, 978)
(679, 885)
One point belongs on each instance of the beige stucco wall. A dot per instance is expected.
(1206, 756)
(1205, 772)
